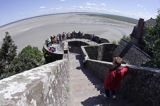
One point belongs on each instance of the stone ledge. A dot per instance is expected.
(42, 86)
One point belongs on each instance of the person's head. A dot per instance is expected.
(117, 61)
(53, 36)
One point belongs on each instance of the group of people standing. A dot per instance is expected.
(61, 37)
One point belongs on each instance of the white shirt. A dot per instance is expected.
(65, 46)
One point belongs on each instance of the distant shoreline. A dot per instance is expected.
(80, 13)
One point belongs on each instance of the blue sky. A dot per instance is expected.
(12, 10)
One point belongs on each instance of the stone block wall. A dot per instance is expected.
(75, 46)
(102, 52)
(128, 51)
(99, 68)
(92, 52)
(131, 54)
(108, 50)
(141, 85)
(46, 85)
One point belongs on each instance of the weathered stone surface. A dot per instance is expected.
(43, 86)
(103, 52)
(108, 50)
(99, 68)
(141, 85)
(131, 54)
(92, 52)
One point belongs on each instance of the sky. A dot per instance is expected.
(13, 10)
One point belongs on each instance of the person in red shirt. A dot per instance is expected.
(113, 79)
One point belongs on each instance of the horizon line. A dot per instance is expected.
(3, 25)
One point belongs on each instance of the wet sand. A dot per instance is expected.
(35, 31)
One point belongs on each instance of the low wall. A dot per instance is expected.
(92, 52)
(108, 50)
(103, 52)
(141, 85)
(46, 85)
(75, 46)
(131, 54)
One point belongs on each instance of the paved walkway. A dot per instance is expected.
(86, 89)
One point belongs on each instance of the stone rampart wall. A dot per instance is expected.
(46, 85)
(141, 85)
(102, 52)
(92, 52)
(108, 50)
(131, 54)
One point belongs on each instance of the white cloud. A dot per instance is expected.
(42, 7)
(141, 6)
(90, 4)
(81, 7)
(59, 8)
(52, 8)
(62, 0)
(99, 7)
(103, 4)
(115, 11)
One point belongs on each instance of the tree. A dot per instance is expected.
(28, 58)
(7, 52)
(152, 42)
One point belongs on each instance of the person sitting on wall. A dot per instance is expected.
(113, 79)
(65, 47)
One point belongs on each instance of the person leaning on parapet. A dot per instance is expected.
(113, 79)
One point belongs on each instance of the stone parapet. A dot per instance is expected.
(46, 85)
(141, 85)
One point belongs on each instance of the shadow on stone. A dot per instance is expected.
(100, 100)
(94, 80)
(94, 101)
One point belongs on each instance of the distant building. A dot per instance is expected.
(150, 23)
(138, 33)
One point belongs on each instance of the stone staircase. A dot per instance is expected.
(86, 89)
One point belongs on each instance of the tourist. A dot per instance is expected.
(48, 42)
(63, 36)
(113, 79)
(66, 49)
(53, 39)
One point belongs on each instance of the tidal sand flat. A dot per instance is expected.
(35, 31)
